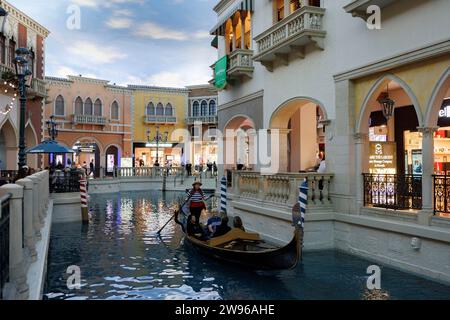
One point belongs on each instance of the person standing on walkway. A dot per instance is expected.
(91, 167)
(196, 200)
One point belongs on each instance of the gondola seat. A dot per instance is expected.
(234, 235)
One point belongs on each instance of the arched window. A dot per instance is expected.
(196, 109)
(59, 106)
(159, 109)
(115, 111)
(98, 108)
(150, 110)
(204, 108)
(212, 108)
(78, 106)
(88, 107)
(169, 110)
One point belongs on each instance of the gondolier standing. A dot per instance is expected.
(196, 200)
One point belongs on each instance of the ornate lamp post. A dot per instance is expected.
(22, 73)
(158, 139)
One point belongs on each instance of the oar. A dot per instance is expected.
(173, 216)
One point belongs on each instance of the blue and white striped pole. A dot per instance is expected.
(303, 200)
(223, 195)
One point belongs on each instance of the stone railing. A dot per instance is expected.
(148, 119)
(147, 172)
(5, 69)
(299, 29)
(283, 188)
(241, 63)
(89, 119)
(27, 203)
(38, 87)
(202, 119)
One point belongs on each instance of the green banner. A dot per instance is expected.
(220, 71)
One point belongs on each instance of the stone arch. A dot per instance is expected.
(376, 89)
(440, 92)
(8, 145)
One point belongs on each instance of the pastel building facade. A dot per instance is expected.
(20, 31)
(94, 119)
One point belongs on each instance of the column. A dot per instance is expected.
(283, 148)
(18, 289)
(427, 176)
(30, 241)
(360, 142)
(37, 224)
(243, 16)
(234, 36)
(287, 8)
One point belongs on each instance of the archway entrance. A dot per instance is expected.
(8, 147)
(239, 144)
(112, 159)
(301, 125)
(391, 153)
(87, 154)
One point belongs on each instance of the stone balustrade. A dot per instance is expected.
(89, 119)
(38, 87)
(283, 188)
(147, 172)
(27, 205)
(241, 64)
(151, 119)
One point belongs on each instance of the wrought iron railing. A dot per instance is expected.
(441, 188)
(392, 191)
(7, 176)
(4, 242)
(65, 182)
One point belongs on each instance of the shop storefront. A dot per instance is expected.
(146, 154)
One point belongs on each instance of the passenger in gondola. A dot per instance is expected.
(238, 224)
(196, 200)
(223, 229)
(194, 229)
(212, 225)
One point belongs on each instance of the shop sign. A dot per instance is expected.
(444, 112)
(383, 155)
(220, 73)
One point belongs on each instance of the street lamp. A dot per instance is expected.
(158, 139)
(52, 128)
(22, 72)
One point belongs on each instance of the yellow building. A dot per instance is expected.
(159, 127)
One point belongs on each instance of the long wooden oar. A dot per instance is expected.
(173, 216)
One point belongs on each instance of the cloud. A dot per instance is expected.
(64, 71)
(155, 31)
(95, 53)
(119, 23)
(104, 3)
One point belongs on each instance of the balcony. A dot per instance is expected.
(289, 37)
(358, 8)
(89, 119)
(241, 64)
(202, 119)
(5, 70)
(37, 88)
(159, 120)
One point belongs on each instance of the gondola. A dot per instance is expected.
(248, 249)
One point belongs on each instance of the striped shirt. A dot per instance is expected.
(196, 198)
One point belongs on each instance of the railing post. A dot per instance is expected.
(18, 278)
(37, 218)
(29, 236)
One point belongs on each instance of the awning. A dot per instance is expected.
(242, 5)
(215, 42)
(49, 146)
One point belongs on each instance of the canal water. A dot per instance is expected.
(119, 257)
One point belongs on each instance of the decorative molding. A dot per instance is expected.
(241, 100)
(25, 19)
(427, 131)
(423, 53)
(360, 137)
(154, 89)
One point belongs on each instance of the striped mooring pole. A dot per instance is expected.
(303, 200)
(223, 195)
(84, 201)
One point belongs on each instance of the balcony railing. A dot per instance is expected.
(441, 194)
(392, 191)
(5, 69)
(241, 64)
(282, 189)
(202, 119)
(89, 119)
(290, 36)
(38, 88)
(4, 242)
(159, 120)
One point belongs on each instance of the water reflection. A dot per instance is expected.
(120, 258)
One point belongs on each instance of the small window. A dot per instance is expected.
(115, 111)
(196, 109)
(98, 108)
(212, 108)
(169, 110)
(78, 106)
(159, 109)
(59, 106)
(204, 108)
(88, 107)
(150, 110)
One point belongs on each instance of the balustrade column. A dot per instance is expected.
(360, 142)
(427, 175)
(19, 289)
(29, 236)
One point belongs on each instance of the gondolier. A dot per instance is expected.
(196, 200)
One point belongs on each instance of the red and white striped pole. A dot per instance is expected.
(84, 200)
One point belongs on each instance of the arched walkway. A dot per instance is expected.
(300, 124)
(112, 158)
(8, 146)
